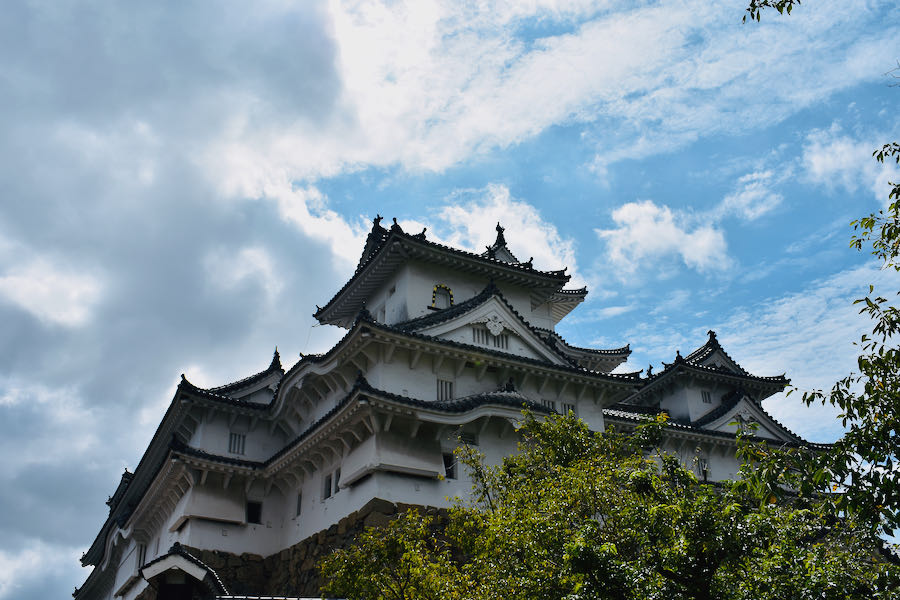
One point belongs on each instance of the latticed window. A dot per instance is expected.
(449, 465)
(549, 404)
(569, 408)
(707, 397)
(444, 390)
(236, 443)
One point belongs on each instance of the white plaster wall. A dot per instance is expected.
(420, 279)
(212, 435)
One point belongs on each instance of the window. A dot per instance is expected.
(468, 438)
(326, 487)
(299, 504)
(501, 341)
(449, 466)
(569, 408)
(441, 296)
(337, 480)
(480, 336)
(444, 390)
(707, 397)
(549, 404)
(236, 442)
(703, 468)
(254, 512)
(142, 555)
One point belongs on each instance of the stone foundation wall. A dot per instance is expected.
(292, 572)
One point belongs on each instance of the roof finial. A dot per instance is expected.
(678, 357)
(650, 371)
(501, 240)
(276, 360)
(396, 226)
(377, 220)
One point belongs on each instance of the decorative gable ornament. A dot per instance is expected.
(494, 324)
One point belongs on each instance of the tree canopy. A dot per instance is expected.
(581, 514)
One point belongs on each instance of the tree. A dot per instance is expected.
(858, 477)
(403, 560)
(580, 514)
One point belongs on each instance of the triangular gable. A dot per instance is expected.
(744, 413)
(712, 355)
(718, 359)
(496, 316)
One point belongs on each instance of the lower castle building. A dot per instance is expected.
(243, 486)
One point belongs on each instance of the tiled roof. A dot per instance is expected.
(638, 414)
(379, 238)
(568, 367)
(274, 367)
(548, 333)
(503, 397)
(178, 550)
(711, 345)
(486, 294)
(187, 386)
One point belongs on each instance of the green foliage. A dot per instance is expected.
(857, 477)
(577, 514)
(404, 560)
(755, 8)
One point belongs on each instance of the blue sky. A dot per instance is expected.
(181, 184)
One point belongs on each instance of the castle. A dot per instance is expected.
(243, 483)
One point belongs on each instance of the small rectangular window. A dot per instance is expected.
(501, 341)
(707, 397)
(337, 480)
(549, 404)
(444, 390)
(254, 512)
(299, 504)
(236, 443)
(449, 466)
(326, 487)
(569, 408)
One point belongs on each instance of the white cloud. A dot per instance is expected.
(752, 199)
(37, 561)
(306, 209)
(470, 218)
(429, 83)
(838, 161)
(808, 334)
(646, 232)
(62, 413)
(50, 291)
(228, 270)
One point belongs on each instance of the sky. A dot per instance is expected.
(182, 182)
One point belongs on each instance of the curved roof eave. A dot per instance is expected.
(417, 244)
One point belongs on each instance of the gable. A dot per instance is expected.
(747, 412)
(495, 326)
(717, 359)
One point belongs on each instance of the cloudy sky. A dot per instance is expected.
(182, 182)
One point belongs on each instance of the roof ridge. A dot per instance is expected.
(486, 294)
(378, 239)
(274, 366)
(612, 351)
